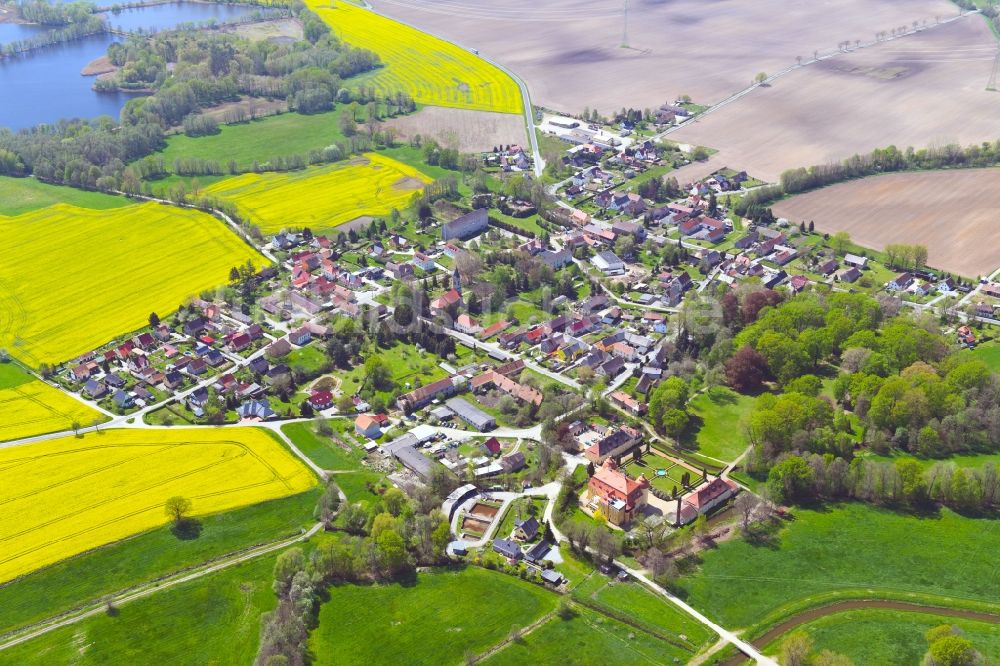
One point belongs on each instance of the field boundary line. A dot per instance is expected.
(739, 94)
(527, 111)
(775, 631)
(24, 634)
(492, 650)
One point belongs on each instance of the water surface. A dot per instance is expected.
(45, 85)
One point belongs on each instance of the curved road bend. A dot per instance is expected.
(529, 121)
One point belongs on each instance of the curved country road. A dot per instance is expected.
(805, 617)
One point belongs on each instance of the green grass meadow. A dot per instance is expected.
(586, 638)
(322, 450)
(12, 375)
(636, 601)
(436, 619)
(848, 548)
(88, 577)
(21, 195)
(988, 354)
(213, 620)
(716, 416)
(890, 638)
(262, 140)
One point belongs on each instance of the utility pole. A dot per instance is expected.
(625, 27)
(992, 85)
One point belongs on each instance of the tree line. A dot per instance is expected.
(880, 160)
(85, 27)
(384, 539)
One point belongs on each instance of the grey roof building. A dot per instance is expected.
(457, 498)
(507, 548)
(474, 416)
(466, 226)
(404, 450)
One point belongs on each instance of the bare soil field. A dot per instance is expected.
(921, 90)
(954, 213)
(570, 51)
(281, 30)
(465, 130)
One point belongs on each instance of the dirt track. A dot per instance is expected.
(858, 604)
(954, 213)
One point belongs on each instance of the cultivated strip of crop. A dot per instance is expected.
(35, 407)
(73, 278)
(65, 496)
(429, 69)
(323, 197)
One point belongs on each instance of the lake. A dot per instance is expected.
(45, 85)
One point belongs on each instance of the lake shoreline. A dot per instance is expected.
(99, 65)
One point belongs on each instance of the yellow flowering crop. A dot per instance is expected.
(71, 279)
(429, 69)
(322, 197)
(65, 496)
(34, 408)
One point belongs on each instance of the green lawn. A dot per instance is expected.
(529, 223)
(355, 485)
(436, 620)
(309, 359)
(507, 525)
(21, 195)
(587, 638)
(967, 460)
(12, 375)
(89, 576)
(213, 620)
(891, 638)
(988, 354)
(322, 450)
(648, 466)
(406, 365)
(261, 140)
(848, 549)
(415, 158)
(646, 608)
(716, 416)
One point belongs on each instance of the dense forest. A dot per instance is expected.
(898, 387)
(189, 71)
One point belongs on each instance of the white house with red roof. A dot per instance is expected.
(705, 499)
(368, 426)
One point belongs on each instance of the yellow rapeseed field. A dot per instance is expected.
(30, 407)
(71, 279)
(429, 69)
(65, 496)
(322, 197)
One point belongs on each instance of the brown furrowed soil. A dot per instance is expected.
(570, 52)
(920, 90)
(956, 214)
(462, 129)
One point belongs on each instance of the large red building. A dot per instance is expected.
(616, 494)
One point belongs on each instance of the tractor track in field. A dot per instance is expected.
(818, 612)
